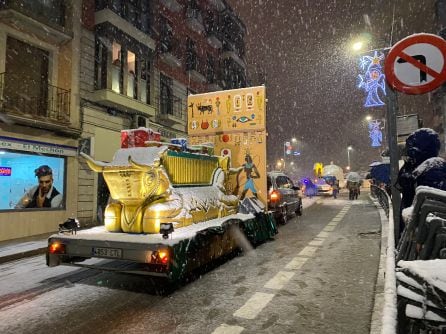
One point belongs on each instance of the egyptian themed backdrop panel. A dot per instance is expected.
(237, 130)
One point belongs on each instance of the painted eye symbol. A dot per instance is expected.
(243, 119)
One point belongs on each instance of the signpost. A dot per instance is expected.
(414, 65)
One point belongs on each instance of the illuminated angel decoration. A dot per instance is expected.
(375, 133)
(373, 79)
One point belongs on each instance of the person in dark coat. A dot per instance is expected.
(431, 173)
(421, 145)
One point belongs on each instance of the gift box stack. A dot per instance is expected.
(138, 137)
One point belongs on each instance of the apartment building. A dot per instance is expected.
(73, 74)
(39, 103)
(139, 61)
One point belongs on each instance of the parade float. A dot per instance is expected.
(173, 208)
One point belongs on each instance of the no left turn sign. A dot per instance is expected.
(417, 64)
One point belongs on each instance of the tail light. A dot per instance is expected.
(56, 248)
(274, 196)
(160, 257)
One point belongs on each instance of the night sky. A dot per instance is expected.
(302, 48)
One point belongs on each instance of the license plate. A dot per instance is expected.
(115, 253)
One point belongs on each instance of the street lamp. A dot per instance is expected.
(285, 149)
(349, 148)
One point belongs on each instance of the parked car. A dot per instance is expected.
(323, 188)
(284, 199)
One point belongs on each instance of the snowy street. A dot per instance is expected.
(317, 276)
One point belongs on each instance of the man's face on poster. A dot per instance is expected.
(45, 183)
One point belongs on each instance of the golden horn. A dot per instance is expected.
(136, 165)
(94, 166)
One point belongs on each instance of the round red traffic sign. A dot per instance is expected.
(417, 64)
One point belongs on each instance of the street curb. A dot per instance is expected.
(21, 255)
(376, 321)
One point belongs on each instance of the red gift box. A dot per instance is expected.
(138, 137)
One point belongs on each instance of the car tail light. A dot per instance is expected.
(275, 196)
(56, 248)
(160, 257)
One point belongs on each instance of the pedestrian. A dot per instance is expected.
(335, 188)
(43, 195)
(421, 145)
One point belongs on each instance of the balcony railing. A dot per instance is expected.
(171, 50)
(170, 108)
(194, 20)
(52, 104)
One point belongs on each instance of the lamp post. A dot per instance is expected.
(392, 111)
(349, 148)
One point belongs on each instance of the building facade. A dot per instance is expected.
(39, 110)
(73, 74)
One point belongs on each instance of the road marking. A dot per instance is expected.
(308, 251)
(254, 305)
(323, 234)
(278, 281)
(226, 329)
(296, 263)
(316, 243)
(333, 224)
(335, 219)
(329, 228)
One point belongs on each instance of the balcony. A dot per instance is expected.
(108, 15)
(195, 69)
(49, 110)
(46, 22)
(230, 51)
(194, 20)
(172, 5)
(170, 51)
(171, 112)
(218, 5)
(111, 99)
(213, 35)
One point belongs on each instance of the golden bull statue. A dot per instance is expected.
(153, 185)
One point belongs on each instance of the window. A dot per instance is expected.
(100, 64)
(117, 68)
(131, 75)
(166, 96)
(18, 178)
(131, 12)
(210, 72)
(145, 81)
(26, 79)
(191, 55)
(283, 182)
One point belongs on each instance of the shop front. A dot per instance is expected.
(37, 179)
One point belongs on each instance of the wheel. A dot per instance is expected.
(299, 210)
(284, 217)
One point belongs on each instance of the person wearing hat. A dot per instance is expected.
(43, 195)
(421, 145)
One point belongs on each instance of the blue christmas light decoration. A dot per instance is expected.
(372, 80)
(375, 133)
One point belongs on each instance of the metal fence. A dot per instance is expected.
(382, 197)
(52, 103)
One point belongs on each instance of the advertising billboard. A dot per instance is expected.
(233, 121)
(31, 181)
